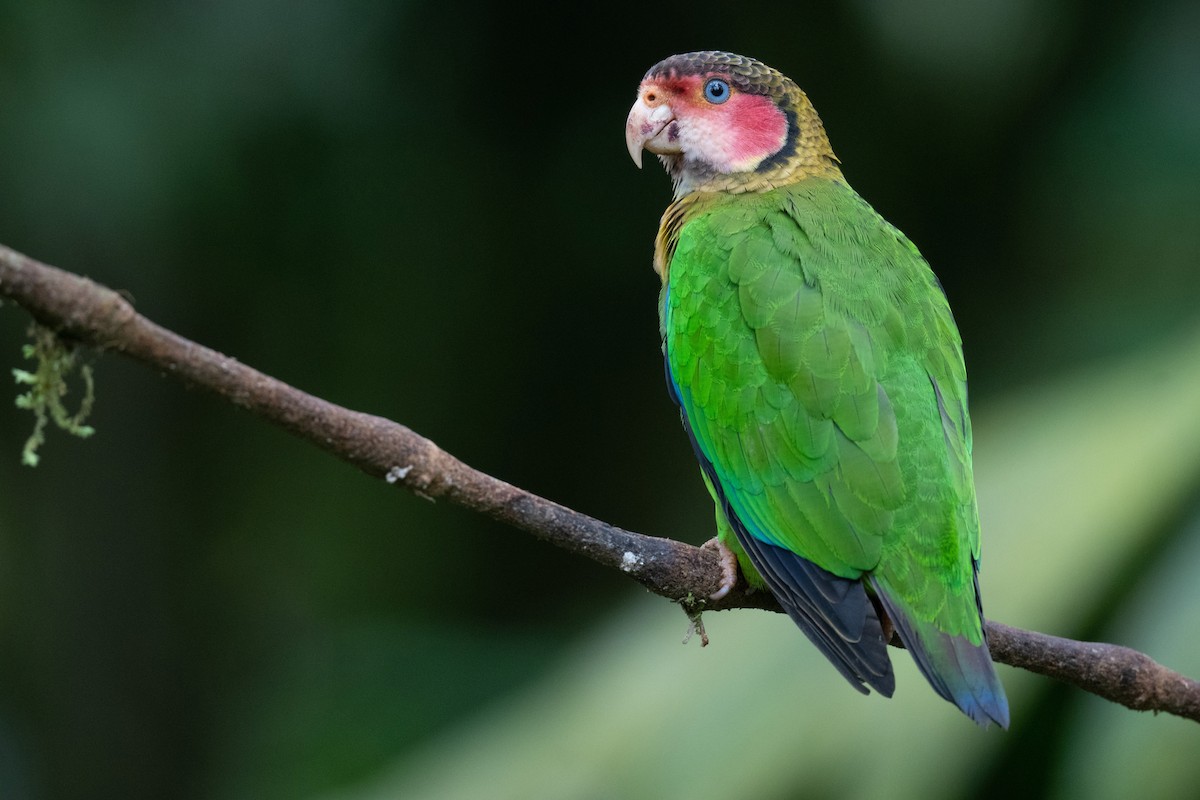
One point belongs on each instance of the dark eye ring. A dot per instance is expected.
(716, 91)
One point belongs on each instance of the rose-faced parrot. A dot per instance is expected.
(819, 374)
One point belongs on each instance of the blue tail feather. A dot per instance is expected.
(958, 670)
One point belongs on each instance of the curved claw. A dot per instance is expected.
(729, 567)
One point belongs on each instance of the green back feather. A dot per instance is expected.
(819, 368)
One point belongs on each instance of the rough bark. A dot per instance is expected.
(85, 312)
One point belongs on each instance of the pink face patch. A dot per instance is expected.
(734, 136)
(760, 128)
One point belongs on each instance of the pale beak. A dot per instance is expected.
(649, 128)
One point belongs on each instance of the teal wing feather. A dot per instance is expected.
(819, 374)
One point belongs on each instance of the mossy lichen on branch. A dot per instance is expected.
(48, 388)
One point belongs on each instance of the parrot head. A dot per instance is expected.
(724, 122)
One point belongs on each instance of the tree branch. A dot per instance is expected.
(81, 310)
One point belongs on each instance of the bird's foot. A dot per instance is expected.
(729, 566)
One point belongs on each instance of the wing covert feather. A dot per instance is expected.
(832, 427)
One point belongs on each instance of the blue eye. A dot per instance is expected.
(716, 91)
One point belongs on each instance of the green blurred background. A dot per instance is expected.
(425, 211)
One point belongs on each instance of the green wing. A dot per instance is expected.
(779, 375)
(819, 374)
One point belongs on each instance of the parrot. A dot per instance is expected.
(819, 374)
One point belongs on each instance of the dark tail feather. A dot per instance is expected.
(834, 612)
(959, 671)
